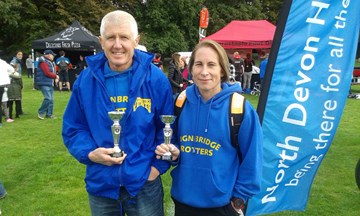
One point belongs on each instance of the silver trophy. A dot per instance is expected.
(116, 130)
(167, 120)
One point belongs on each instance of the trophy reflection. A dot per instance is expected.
(116, 130)
(167, 120)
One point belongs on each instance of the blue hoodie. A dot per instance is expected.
(86, 125)
(209, 171)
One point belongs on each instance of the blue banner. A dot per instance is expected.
(307, 82)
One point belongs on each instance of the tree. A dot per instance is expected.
(24, 21)
(165, 26)
(271, 9)
(9, 21)
(222, 13)
(168, 26)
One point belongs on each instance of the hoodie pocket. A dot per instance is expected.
(196, 187)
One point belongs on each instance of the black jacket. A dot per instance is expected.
(176, 78)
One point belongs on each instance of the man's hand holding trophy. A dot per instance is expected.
(111, 156)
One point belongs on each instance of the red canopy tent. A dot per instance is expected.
(252, 34)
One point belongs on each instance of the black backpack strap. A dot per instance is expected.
(236, 111)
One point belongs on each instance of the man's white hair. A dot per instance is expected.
(119, 17)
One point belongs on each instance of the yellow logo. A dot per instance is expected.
(143, 102)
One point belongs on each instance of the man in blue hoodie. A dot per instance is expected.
(213, 178)
(121, 78)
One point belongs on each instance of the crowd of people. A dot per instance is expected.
(243, 69)
(133, 83)
(11, 88)
(6, 72)
(11, 103)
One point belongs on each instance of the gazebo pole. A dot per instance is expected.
(33, 67)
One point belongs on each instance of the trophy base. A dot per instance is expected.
(167, 156)
(117, 154)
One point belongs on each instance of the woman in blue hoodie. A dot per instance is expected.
(210, 177)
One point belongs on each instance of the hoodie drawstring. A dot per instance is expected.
(197, 114)
(208, 116)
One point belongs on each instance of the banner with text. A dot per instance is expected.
(307, 82)
(204, 22)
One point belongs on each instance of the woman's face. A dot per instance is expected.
(206, 72)
(181, 64)
(19, 55)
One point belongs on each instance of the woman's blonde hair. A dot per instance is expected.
(176, 57)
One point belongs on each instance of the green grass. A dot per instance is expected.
(42, 178)
(357, 63)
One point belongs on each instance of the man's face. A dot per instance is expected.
(118, 43)
(50, 56)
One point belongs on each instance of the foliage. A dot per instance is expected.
(271, 9)
(23, 21)
(165, 26)
(168, 26)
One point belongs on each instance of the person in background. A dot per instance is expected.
(29, 66)
(45, 76)
(186, 74)
(262, 66)
(157, 61)
(36, 64)
(63, 64)
(232, 70)
(6, 70)
(16, 62)
(81, 65)
(239, 66)
(175, 76)
(216, 179)
(248, 67)
(122, 79)
(14, 93)
(4, 106)
(3, 192)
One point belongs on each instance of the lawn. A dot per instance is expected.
(42, 178)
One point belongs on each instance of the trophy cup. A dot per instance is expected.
(167, 120)
(116, 129)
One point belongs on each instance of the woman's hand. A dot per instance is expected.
(163, 148)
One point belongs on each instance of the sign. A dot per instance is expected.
(204, 22)
(306, 85)
(204, 18)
